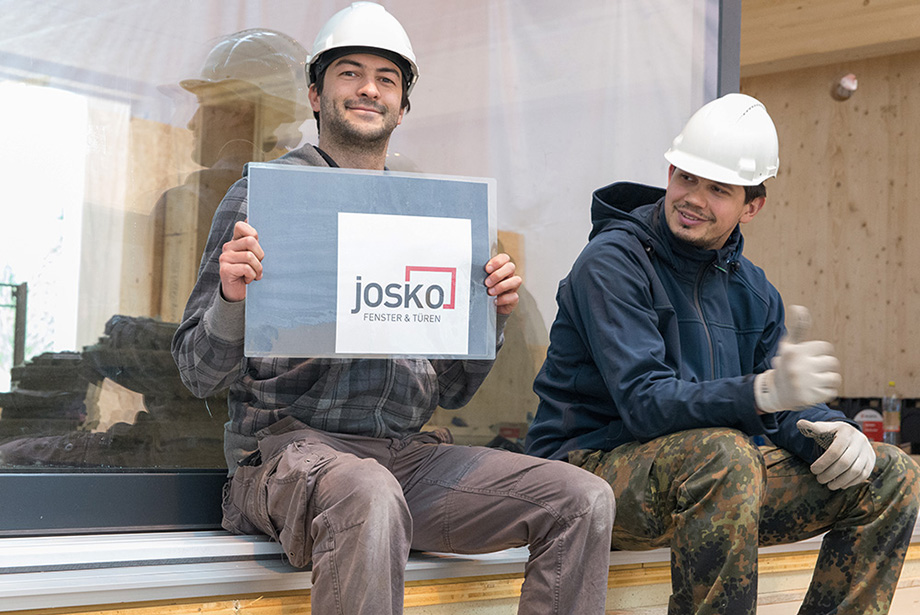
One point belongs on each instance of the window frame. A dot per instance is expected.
(54, 502)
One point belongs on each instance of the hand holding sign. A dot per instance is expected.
(240, 262)
(502, 283)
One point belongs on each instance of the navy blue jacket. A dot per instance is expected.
(655, 336)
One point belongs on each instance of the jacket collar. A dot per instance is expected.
(681, 254)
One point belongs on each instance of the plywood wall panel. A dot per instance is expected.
(841, 229)
(782, 35)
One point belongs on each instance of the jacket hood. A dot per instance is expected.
(639, 210)
(616, 201)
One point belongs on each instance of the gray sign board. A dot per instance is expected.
(293, 310)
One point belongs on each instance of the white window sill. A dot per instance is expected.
(67, 571)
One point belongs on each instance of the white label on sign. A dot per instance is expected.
(403, 284)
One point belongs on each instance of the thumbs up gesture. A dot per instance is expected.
(804, 373)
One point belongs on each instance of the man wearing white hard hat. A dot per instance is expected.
(670, 351)
(326, 455)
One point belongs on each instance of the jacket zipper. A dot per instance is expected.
(699, 309)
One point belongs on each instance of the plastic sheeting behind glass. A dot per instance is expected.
(551, 99)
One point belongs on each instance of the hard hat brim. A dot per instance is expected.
(237, 88)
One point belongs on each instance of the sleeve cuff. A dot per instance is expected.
(500, 322)
(225, 319)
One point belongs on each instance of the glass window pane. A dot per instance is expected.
(126, 122)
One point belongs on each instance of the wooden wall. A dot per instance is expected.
(841, 229)
(781, 35)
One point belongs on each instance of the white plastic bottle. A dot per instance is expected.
(891, 413)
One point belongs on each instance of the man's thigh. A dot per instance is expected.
(475, 500)
(657, 480)
(297, 482)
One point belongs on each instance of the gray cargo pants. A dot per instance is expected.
(355, 506)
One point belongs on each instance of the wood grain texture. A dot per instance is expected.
(781, 35)
(840, 229)
(158, 159)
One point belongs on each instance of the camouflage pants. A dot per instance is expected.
(713, 497)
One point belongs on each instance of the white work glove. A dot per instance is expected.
(804, 373)
(849, 458)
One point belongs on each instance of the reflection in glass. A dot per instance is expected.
(117, 402)
(110, 179)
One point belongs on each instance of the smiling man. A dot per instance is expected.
(326, 454)
(703, 213)
(668, 353)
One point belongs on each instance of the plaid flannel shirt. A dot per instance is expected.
(371, 397)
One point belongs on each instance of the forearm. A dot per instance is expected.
(208, 347)
(656, 407)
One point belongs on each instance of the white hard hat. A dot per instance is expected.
(730, 140)
(367, 25)
(260, 65)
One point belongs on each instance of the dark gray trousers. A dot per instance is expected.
(356, 505)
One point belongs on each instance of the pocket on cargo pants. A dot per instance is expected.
(276, 498)
(243, 505)
(289, 497)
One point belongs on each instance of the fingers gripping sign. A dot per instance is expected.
(502, 283)
(240, 262)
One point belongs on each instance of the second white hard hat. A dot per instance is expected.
(261, 65)
(730, 140)
(365, 24)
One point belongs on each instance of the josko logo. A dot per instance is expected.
(407, 294)
(388, 284)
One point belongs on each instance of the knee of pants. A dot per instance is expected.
(357, 491)
(725, 454)
(601, 509)
(581, 493)
(897, 474)
(729, 447)
(598, 494)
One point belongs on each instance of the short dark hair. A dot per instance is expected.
(752, 192)
(316, 72)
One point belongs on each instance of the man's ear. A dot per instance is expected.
(671, 169)
(751, 208)
(313, 95)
